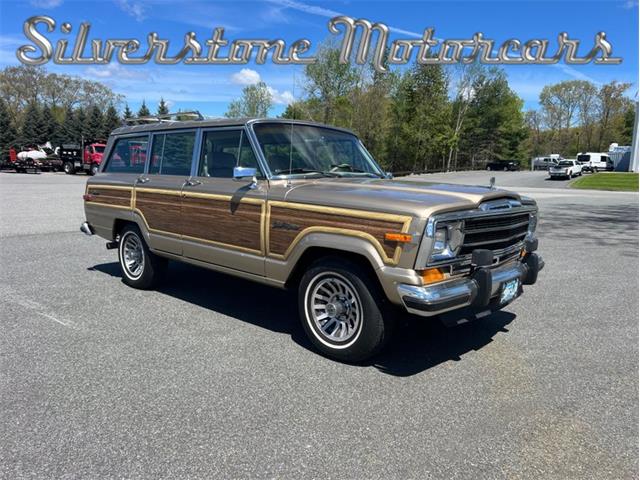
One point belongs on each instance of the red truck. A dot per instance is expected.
(88, 162)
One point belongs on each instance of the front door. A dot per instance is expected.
(158, 193)
(222, 219)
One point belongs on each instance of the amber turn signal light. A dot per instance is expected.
(398, 237)
(432, 275)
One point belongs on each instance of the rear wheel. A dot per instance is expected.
(69, 169)
(342, 310)
(139, 266)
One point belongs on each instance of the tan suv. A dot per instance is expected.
(304, 206)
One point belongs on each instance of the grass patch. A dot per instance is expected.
(627, 182)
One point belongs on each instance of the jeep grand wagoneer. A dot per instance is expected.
(304, 206)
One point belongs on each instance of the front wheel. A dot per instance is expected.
(488, 169)
(342, 310)
(139, 266)
(94, 169)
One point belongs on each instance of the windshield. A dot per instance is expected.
(584, 158)
(566, 164)
(292, 149)
(99, 148)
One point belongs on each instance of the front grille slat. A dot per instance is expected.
(495, 232)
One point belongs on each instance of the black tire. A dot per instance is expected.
(69, 169)
(94, 169)
(375, 321)
(506, 169)
(488, 169)
(153, 267)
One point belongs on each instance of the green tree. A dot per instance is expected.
(7, 132)
(127, 112)
(329, 80)
(611, 105)
(144, 111)
(256, 101)
(49, 128)
(94, 124)
(31, 123)
(79, 127)
(163, 109)
(111, 121)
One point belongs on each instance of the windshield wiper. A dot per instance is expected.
(352, 169)
(287, 171)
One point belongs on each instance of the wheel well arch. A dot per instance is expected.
(314, 253)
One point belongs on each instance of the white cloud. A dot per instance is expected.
(246, 76)
(133, 8)
(281, 98)
(325, 12)
(45, 3)
(117, 71)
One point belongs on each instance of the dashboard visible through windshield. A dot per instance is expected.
(292, 149)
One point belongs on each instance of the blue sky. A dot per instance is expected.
(210, 88)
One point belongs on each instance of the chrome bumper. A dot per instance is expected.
(432, 300)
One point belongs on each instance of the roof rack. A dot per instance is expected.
(166, 117)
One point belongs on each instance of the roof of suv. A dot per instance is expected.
(208, 123)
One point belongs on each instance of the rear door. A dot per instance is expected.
(222, 219)
(158, 191)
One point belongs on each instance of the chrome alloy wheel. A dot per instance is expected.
(132, 254)
(334, 309)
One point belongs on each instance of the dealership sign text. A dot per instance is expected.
(360, 41)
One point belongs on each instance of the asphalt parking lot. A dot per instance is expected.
(212, 376)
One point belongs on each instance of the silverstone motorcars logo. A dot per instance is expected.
(371, 45)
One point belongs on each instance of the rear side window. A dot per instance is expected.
(128, 155)
(222, 150)
(171, 153)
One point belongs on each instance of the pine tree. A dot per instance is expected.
(7, 132)
(79, 126)
(127, 112)
(94, 124)
(163, 109)
(111, 121)
(69, 135)
(48, 127)
(29, 133)
(144, 111)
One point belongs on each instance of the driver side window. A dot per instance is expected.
(222, 151)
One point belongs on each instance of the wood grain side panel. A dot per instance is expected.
(286, 219)
(236, 224)
(160, 211)
(106, 196)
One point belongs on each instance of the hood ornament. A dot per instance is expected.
(492, 183)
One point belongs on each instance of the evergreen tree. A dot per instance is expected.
(162, 107)
(7, 132)
(31, 123)
(69, 134)
(79, 126)
(144, 111)
(127, 112)
(111, 121)
(48, 127)
(94, 124)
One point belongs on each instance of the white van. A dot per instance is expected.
(594, 162)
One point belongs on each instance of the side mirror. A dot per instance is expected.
(241, 173)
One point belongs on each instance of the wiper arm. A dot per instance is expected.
(283, 171)
(352, 169)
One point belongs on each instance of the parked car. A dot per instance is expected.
(506, 165)
(299, 205)
(595, 162)
(566, 169)
(543, 163)
(75, 159)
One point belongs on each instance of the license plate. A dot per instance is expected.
(509, 291)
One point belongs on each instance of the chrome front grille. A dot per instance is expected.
(497, 232)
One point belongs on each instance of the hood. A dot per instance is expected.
(392, 196)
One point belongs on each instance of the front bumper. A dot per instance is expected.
(475, 290)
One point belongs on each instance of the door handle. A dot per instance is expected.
(142, 179)
(191, 183)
